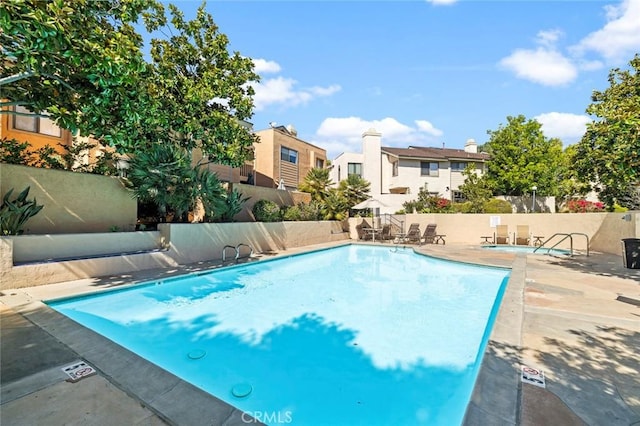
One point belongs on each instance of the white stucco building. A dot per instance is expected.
(397, 174)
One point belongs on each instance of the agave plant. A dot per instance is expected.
(14, 214)
(234, 202)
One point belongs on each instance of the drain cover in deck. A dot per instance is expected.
(78, 370)
(533, 377)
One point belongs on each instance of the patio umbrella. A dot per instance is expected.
(371, 203)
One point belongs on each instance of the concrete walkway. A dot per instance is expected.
(577, 320)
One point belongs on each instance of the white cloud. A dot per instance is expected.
(344, 134)
(565, 126)
(281, 90)
(619, 39)
(548, 37)
(262, 66)
(427, 127)
(325, 91)
(542, 65)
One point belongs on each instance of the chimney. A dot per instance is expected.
(471, 146)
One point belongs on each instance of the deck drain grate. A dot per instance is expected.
(533, 377)
(78, 370)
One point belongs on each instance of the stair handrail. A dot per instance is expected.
(389, 219)
(565, 236)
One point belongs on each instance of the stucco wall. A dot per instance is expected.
(30, 248)
(183, 243)
(257, 193)
(73, 202)
(605, 230)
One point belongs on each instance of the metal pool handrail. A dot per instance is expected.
(237, 251)
(565, 236)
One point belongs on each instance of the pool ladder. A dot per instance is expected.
(236, 250)
(564, 237)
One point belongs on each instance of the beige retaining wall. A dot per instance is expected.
(605, 230)
(178, 244)
(73, 202)
(257, 193)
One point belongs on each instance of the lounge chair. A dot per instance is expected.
(413, 234)
(431, 237)
(385, 234)
(522, 235)
(502, 234)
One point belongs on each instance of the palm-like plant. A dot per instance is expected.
(355, 189)
(316, 183)
(159, 175)
(335, 206)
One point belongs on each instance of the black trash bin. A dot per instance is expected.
(631, 253)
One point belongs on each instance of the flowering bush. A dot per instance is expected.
(584, 206)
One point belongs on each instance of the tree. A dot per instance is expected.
(476, 189)
(73, 60)
(521, 157)
(316, 183)
(198, 93)
(82, 63)
(608, 155)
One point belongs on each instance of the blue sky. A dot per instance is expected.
(426, 73)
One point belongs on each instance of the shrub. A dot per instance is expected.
(14, 214)
(461, 207)
(266, 211)
(584, 206)
(497, 206)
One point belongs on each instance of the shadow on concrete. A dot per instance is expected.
(601, 369)
(603, 264)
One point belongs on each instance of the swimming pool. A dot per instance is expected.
(350, 335)
(526, 249)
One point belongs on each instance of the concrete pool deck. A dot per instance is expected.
(577, 319)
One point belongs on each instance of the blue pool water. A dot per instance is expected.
(350, 335)
(526, 249)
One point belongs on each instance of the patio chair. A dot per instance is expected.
(360, 229)
(413, 234)
(430, 235)
(385, 234)
(501, 236)
(523, 237)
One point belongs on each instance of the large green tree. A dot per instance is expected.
(72, 60)
(522, 157)
(82, 63)
(198, 92)
(608, 156)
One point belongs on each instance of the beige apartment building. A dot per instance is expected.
(281, 156)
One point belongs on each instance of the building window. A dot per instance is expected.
(35, 124)
(319, 163)
(394, 168)
(354, 169)
(428, 169)
(458, 166)
(457, 197)
(289, 155)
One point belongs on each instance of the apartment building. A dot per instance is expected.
(282, 159)
(397, 174)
